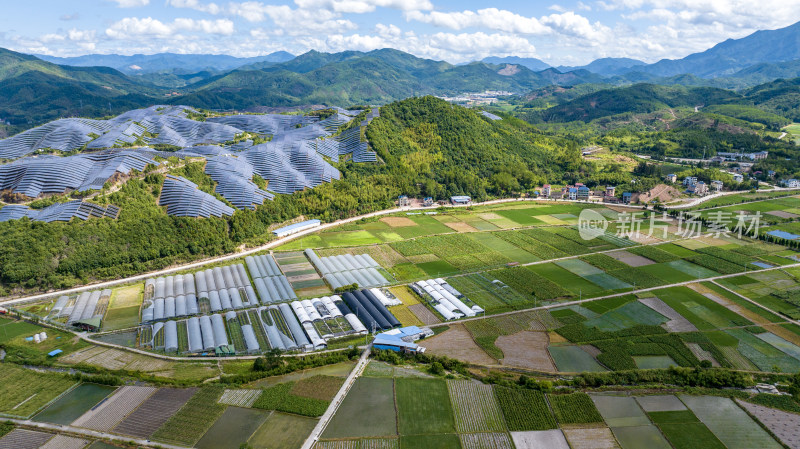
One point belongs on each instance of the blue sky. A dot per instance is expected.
(568, 32)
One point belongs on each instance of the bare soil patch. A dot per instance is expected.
(424, 315)
(460, 227)
(526, 349)
(629, 259)
(398, 222)
(676, 323)
(457, 343)
(784, 425)
(596, 438)
(782, 214)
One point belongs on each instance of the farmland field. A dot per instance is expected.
(550, 439)
(620, 411)
(74, 404)
(573, 359)
(685, 431)
(155, 411)
(232, 429)
(635, 437)
(475, 407)
(591, 438)
(485, 441)
(575, 408)
(524, 409)
(26, 391)
(114, 409)
(368, 410)
(318, 387)
(281, 398)
(282, 431)
(194, 418)
(423, 406)
(437, 441)
(729, 423)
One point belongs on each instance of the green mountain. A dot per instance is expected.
(733, 55)
(375, 77)
(33, 91)
(143, 64)
(637, 99)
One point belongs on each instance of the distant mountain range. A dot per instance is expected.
(34, 90)
(143, 64)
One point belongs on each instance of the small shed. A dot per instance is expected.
(460, 199)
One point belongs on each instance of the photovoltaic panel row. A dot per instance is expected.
(234, 182)
(184, 199)
(59, 212)
(52, 174)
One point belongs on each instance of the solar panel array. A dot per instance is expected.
(62, 135)
(184, 199)
(262, 123)
(292, 161)
(59, 212)
(34, 176)
(348, 141)
(234, 182)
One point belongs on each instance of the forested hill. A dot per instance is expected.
(426, 147)
(452, 150)
(375, 77)
(638, 99)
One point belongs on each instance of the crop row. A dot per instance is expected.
(653, 253)
(530, 244)
(604, 262)
(575, 408)
(715, 264)
(525, 409)
(529, 283)
(194, 418)
(475, 407)
(280, 398)
(729, 256)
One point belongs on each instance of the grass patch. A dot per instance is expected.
(423, 406)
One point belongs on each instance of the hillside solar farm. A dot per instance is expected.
(287, 153)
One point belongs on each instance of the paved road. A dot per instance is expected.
(703, 199)
(90, 433)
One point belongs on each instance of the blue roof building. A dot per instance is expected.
(460, 199)
(297, 227)
(401, 339)
(626, 197)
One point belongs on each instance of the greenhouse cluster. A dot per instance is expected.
(347, 269)
(448, 301)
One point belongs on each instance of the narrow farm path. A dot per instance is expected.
(337, 400)
(754, 303)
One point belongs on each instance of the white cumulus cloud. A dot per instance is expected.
(131, 3)
(133, 26)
